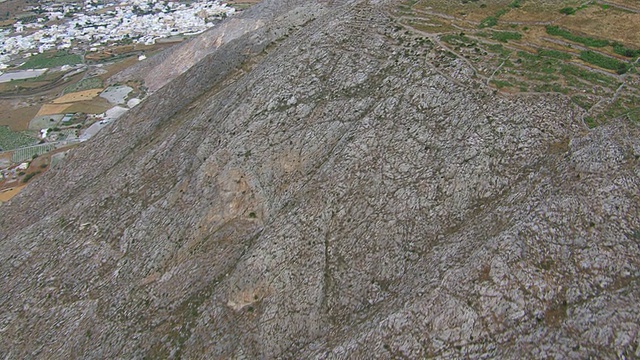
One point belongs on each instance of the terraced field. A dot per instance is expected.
(586, 50)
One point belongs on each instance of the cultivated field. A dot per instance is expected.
(10, 140)
(77, 96)
(51, 109)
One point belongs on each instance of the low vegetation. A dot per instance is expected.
(589, 76)
(596, 43)
(604, 62)
(584, 40)
(505, 36)
(554, 54)
(501, 84)
(491, 21)
(590, 122)
(84, 84)
(571, 11)
(568, 11)
(458, 39)
(29, 176)
(582, 101)
(625, 51)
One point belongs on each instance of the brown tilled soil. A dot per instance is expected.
(17, 114)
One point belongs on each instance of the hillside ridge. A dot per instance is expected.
(331, 185)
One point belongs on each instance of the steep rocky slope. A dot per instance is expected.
(341, 189)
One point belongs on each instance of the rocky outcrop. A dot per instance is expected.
(328, 192)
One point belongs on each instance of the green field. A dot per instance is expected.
(584, 40)
(504, 36)
(10, 140)
(604, 62)
(49, 60)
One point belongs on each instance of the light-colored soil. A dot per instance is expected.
(6, 195)
(116, 94)
(43, 122)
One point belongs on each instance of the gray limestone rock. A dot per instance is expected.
(325, 191)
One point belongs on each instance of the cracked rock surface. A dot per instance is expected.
(324, 190)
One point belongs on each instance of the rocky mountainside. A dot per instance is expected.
(331, 186)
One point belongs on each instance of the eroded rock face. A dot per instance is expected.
(328, 192)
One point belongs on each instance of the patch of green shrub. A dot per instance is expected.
(492, 20)
(625, 51)
(590, 122)
(587, 41)
(551, 87)
(604, 62)
(515, 4)
(568, 11)
(582, 101)
(590, 76)
(500, 84)
(554, 54)
(504, 36)
(85, 84)
(489, 21)
(498, 49)
(458, 39)
(28, 177)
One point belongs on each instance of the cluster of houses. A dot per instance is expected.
(96, 23)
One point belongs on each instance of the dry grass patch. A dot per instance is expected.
(17, 117)
(97, 105)
(633, 4)
(610, 24)
(118, 66)
(51, 109)
(77, 96)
